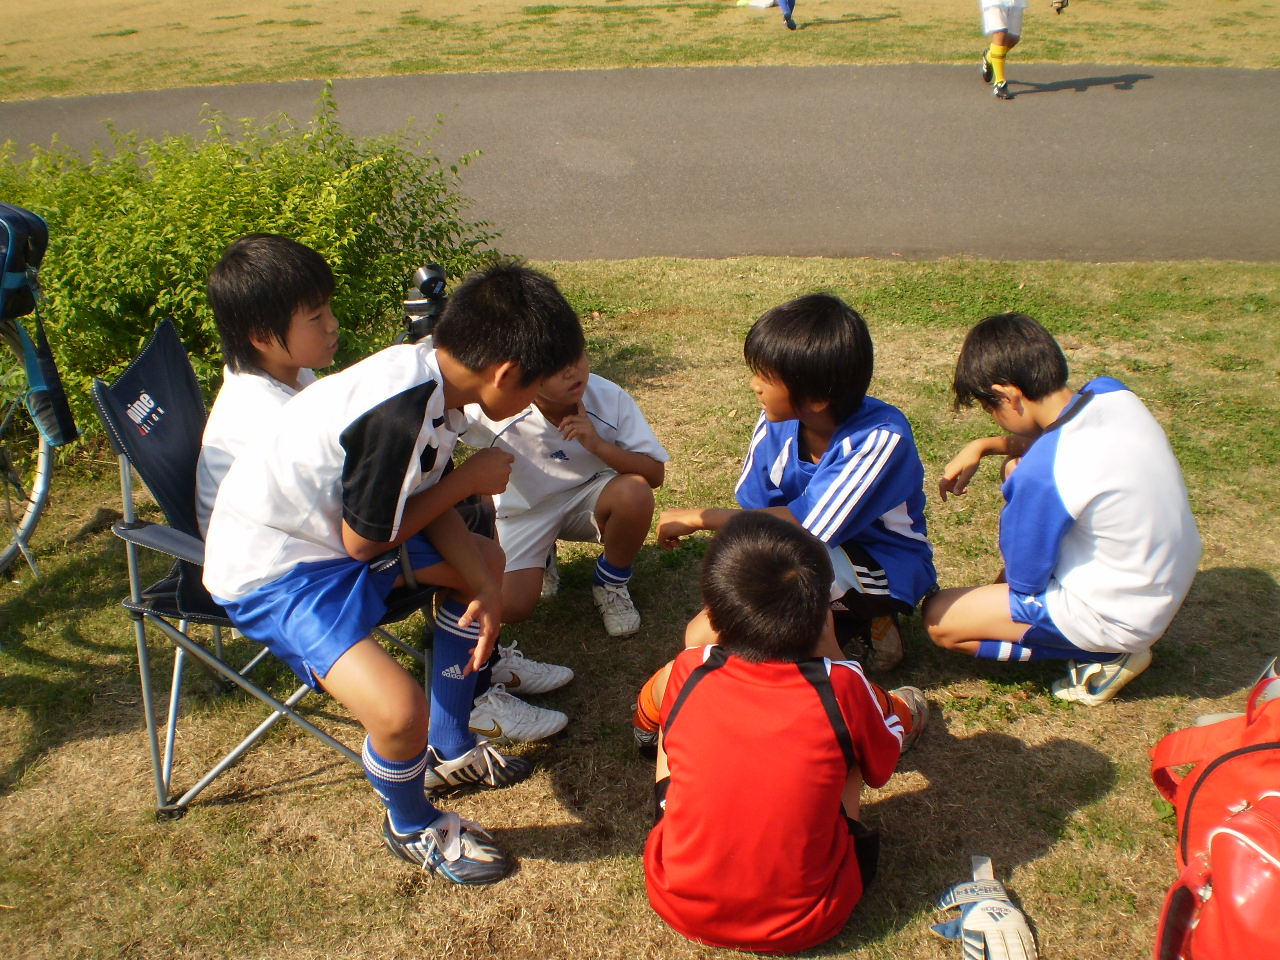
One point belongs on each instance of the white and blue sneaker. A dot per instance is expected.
(453, 848)
(1095, 683)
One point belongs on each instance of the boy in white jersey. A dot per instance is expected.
(311, 528)
(586, 465)
(270, 298)
(1098, 540)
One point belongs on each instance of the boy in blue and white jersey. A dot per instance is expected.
(308, 530)
(1097, 537)
(837, 462)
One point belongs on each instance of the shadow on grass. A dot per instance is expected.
(1220, 639)
(58, 666)
(1123, 81)
(989, 793)
(848, 18)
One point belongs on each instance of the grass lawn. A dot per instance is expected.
(283, 857)
(98, 46)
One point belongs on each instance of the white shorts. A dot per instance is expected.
(1002, 18)
(527, 537)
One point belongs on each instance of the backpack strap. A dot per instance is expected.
(815, 671)
(715, 659)
(1190, 746)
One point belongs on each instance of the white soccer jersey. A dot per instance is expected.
(352, 447)
(1096, 523)
(242, 415)
(546, 463)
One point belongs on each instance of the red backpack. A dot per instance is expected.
(1225, 903)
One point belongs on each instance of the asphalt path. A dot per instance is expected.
(1087, 162)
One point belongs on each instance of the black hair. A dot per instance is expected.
(509, 312)
(255, 288)
(1009, 349)
(819, 347)
(766, 584)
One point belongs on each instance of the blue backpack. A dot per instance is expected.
(24, 237)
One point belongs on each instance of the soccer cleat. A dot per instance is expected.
(1001, 91)
(1059, 5)
(498, 716)
(789, 21)
(913, 697)
(1095, 683)
(621, 619)
(550, 576)
(885, 643)
(515, 671)
(987, 71)
(481, 765)
(456, 849)
(646, 742)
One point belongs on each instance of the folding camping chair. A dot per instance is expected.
(154, 416)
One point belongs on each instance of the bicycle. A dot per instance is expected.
(34, 416)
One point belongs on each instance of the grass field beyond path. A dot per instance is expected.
(100, 46)
(283, 856)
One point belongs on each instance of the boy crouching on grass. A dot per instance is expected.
(1098, 540)
(842, 464)
(587, 463)
(309, 527)
(767, 737)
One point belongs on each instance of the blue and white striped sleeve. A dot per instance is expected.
(756, 489)
(855, 484)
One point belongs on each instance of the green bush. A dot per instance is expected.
(134, 231)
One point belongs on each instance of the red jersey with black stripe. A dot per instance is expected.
(753, 851)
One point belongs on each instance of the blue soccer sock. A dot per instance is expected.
(607, 574)
(1016, 652)
(400, 785)
(452, 691)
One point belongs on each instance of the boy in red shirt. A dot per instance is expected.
(773, 862)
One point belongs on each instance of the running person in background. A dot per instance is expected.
(1002, 19)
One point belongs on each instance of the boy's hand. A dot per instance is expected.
(487, 471)
(957, 474)
(578, 426)
(486, 609)
(674, 524)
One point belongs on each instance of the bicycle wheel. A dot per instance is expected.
(26, 464)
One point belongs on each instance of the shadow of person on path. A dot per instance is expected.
(1124, 81)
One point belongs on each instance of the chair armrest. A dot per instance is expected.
(162, 539)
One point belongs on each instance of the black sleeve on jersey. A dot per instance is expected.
(379, 453)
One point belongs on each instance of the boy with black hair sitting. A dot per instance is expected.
(271, 301)
(768, 735)
(311, 525)
(836, 461)
(1097, 537)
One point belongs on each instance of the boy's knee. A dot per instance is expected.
(400, 719)
(629, 495)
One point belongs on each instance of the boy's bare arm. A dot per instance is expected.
(680, 522)
(487, 471)
(578, 426)
(960, 470)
